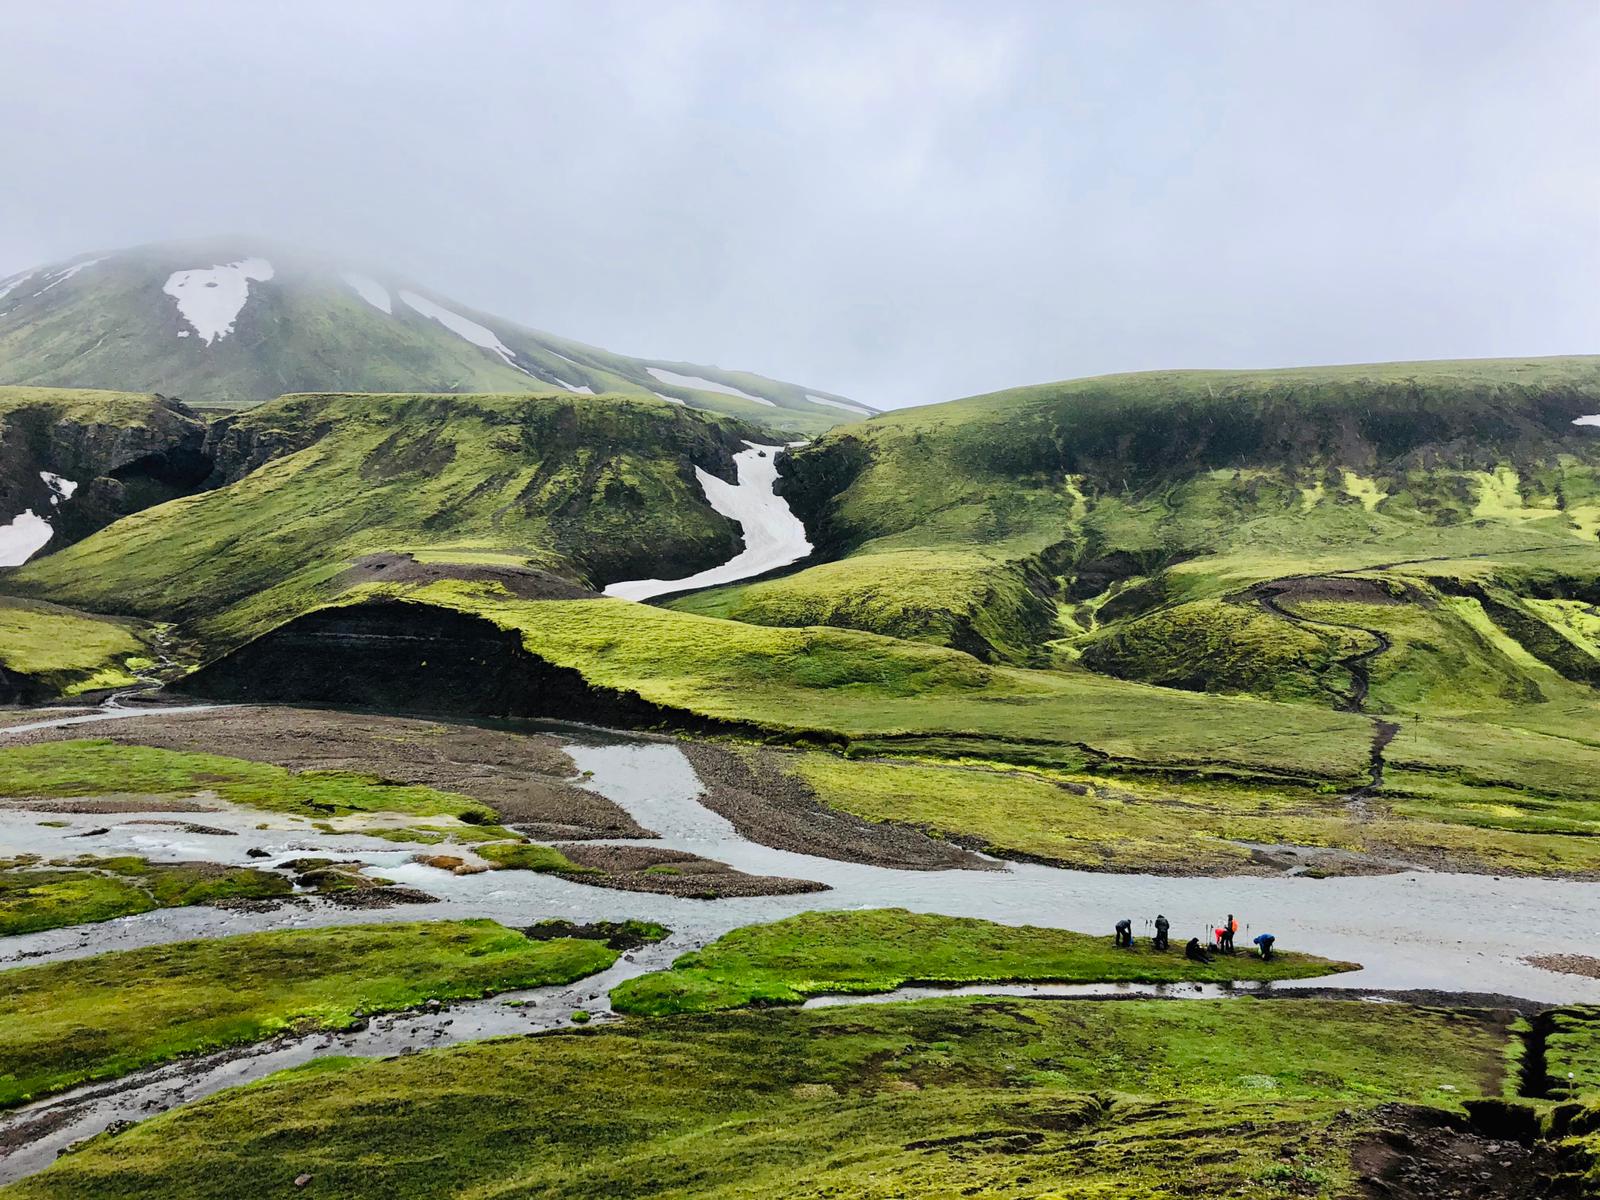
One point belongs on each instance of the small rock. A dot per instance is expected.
(433, 1006)
(301, 1180)
(257, 852)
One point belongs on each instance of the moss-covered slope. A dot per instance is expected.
(584, 490)
(1044, 522)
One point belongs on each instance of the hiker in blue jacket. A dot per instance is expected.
(1264, 944)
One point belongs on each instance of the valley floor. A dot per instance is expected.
(1246, 1088)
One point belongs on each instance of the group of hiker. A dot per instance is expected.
(1221, 939)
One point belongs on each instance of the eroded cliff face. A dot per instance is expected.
(81, 469)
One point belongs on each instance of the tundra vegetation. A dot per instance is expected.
(1169, 622)
(879, 950)
(70, 1022)
(1346, 608)
(1142, 1099)
(80, 891)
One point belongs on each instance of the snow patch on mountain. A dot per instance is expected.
(581, 389)
(23, 537)
(1593, 420)
(855, 408)
(211, 298)
(669, 399)
(773, 536)
(704, 385)
(477, 334)
(61, 488)
(11, 284)
(370, 290)
(67, 273)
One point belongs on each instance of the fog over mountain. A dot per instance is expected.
(898, 203)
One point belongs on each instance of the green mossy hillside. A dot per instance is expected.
(67, 1023)
(1052, 516)
(1138, 1100)
(90, 889)
(871, 693)
(47, 650)
(879, 950)
(589, 489)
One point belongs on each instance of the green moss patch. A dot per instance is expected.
(96, 1018)
(880, 950)
(99, 889)
(1137, 1100)
(98, 767)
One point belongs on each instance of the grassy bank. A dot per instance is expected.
(97, 889)
(96, 1018)
(1138, 1100)
(99, 767)
(59, 650)
(1458, 795)
(882, 949)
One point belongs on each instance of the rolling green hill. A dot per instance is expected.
(550, 495)
(1139, 523)
(1351, 609)
(224, 323)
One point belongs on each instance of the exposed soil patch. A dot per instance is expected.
(380, 897)
(523, 777)
(769, 805)
(1428, 1154)
(1335, 587)
(675, 873)
(186, 827)
(619, 935)
(526, 583)
(1566, 964)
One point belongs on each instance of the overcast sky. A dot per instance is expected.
(899, 202)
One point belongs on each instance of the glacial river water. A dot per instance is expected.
(1460, 933)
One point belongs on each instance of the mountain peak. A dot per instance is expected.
(231, 320)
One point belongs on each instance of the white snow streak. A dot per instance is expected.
(66, 274)
(13, 283)
(855, 408)
(581, 389)
(211, 298)
(1594, 420)
(704, 385)
(22, 538)
(669, 399)
(773, 535)
(477, 334)
(370, 290)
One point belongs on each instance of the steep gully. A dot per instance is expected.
(1359, 667)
